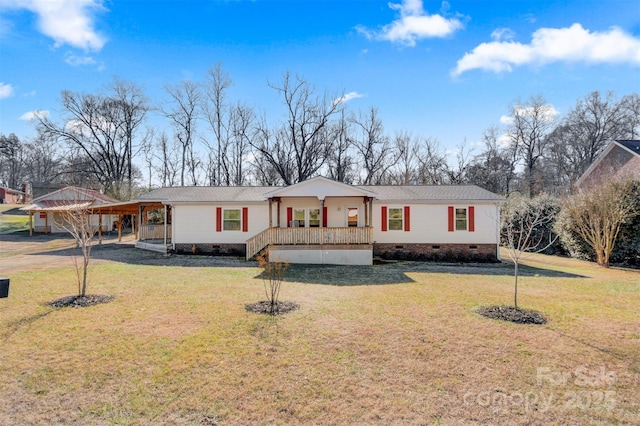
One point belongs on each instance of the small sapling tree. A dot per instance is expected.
(272, 276)
(526, 228)
(76, 220)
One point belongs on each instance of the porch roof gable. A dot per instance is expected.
(321, 188)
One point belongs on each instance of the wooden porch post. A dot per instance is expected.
(366, 211)
(46, 221)
(30, 223)
(119, 227)
(140, 209)
(270, 213)
(278, 213)
(134, 218)
(321, 214)
(100, 228)
(370, 212)
(165, 225)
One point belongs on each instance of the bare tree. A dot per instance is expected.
(598, 214)
(183, 114)
(100, 129)
(169, 167)
(12, 161)
(298, 148)
(242, 119)
(531, 121)
(217, 114)
(433, 163)
(376, 154)
(77, 221)
(341, 162)
(586, 130)
(492, 169)
(43, 159)
(405, 169)
(525, 225)
(457, 175)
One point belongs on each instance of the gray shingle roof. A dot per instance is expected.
(631, 145)
(430, 193)
(203, 194)
(435, 193)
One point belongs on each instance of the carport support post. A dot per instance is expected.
(119, 227)
(30, 223)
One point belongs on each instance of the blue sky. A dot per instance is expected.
(446, 70)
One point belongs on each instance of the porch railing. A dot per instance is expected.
(154, 232)
(307, 236)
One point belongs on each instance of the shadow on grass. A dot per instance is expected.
(396, 273)
(14, 326)
(389, 273)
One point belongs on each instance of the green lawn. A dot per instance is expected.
(12, 222)
(388, 344)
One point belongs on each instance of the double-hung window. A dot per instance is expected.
(395, 219)
(232, 220)
(461, 219)
(314, 218)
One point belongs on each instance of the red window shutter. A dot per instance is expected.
(245, 219)
(472, 219)
(451, 219)
(289, 216)
(384, 218)
(407, 219)
(218, 219)
(324, 217)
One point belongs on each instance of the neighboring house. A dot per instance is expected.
(620, 159)
(324, 221)
(46, 212)
(11, 196)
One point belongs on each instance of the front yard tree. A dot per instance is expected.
(598, 214)
(526, 228)
(76, 220)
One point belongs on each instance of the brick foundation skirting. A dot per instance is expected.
(438, 252)
(212, 249)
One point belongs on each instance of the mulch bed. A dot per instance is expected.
(509, 313)
(264, 307)
(81, 301)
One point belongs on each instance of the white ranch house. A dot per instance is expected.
(323, 221)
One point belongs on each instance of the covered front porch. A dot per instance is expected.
(316, 220)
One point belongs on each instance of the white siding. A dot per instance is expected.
(196, 224)
(429, 224)
(336, 209)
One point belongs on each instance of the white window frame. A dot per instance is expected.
(224, 220)
(455, 218)
(395, 220)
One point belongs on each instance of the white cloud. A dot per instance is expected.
(66, 21)
(76, 61)
(32, 115)
(347, 97)
(500, 34)
(414, 24)
(6, 90)
(572, 44)
(506, 119)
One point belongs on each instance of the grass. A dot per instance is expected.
(12, 222)
(388, 344)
